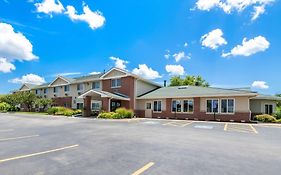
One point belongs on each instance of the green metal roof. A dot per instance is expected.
(267, 97)
(194, 91)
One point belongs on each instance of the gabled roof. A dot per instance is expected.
(106, 94)
(28, 85)
(267, 97)
(194, 91)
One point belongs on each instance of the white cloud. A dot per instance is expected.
(6, 66)
(185, 45)
(260, 85)
(119, 63)
(94, 73)
(213, 39)
(144, 71)
(250, 47)
(67, 74)
(95, 19)
(181, 55)
(175, 69)
(207, 5)
(29, 78)
(167, 55)
(14, 45)
(49, 7)
(259, 10)
(228, 6)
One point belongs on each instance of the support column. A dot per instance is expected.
(106, 104)
(87, 106)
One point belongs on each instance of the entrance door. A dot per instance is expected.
(115, 104)
(148, 110)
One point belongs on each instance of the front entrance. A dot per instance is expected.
(115, 104)
(148, 110)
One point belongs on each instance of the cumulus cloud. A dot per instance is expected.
(119, 63)
(213, 39)
(95, 19)
(144, 71)
(250, 47)
(175, 69)
(185, 44)
(228, 6)
(260, 85)
(13, 46)
(29, 78)
(94, 73)
(6, 66)
(181, 55)
(49, 7)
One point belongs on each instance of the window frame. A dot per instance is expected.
(66, 88)
(161, 107)
(55, 89)
(115, 85)
(96, 102)
(82, 89)
(212, 108)
(267, 104)
(227, 106)
(95, 83)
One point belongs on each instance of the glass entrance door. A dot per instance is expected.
(115, 104)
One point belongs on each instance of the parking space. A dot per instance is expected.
(237, 127)
(136, 147)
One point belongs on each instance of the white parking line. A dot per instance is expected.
(143, 169)
(37, 154)
(17, 138)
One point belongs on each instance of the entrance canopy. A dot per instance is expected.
(105, 94)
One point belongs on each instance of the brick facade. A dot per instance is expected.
(197, 114)
(63, 101)
(127, 88)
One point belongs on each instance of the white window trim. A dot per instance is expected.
(115, 86)
(68, 88)
(212, 105)
(150, 105)
(234, 106)
(83, 87)
(96, 101)
(96, 82)
(182, 106)
(157, 105)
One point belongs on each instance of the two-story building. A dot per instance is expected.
(119, 88)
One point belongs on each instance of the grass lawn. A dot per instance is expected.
(34, 113)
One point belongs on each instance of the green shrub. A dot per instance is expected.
(277, 113)
(124, 113)
(78, 111)
(4, 107)
(52, 110)
(278, 121)
(265, 118)
(106, 115)
(61, 111)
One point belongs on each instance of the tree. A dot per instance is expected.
(176, 81)
(11, 99)
(43, 102)
(27, 99)
(189, 81)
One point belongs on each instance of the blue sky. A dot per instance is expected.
(187, 37)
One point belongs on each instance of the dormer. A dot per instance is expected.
(60, 81)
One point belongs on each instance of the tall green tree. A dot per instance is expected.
(188, 81)
(278, 103)
(43, 102)
(27, 99)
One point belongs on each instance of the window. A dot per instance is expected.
(227, 106)
(116, 83)
(66, 88)
(55, 89)
(79, 106)
(176, 106)
(148, 105)
(212, 106)
(37, 91)
(96, 106)
(188, 106)
(157, 106)
(45, 91)
(80, 87)
(96, 85)
(268, 109)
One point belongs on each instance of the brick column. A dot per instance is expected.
(87, 106)
(105, 104)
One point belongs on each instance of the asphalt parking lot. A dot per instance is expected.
(58, 145)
